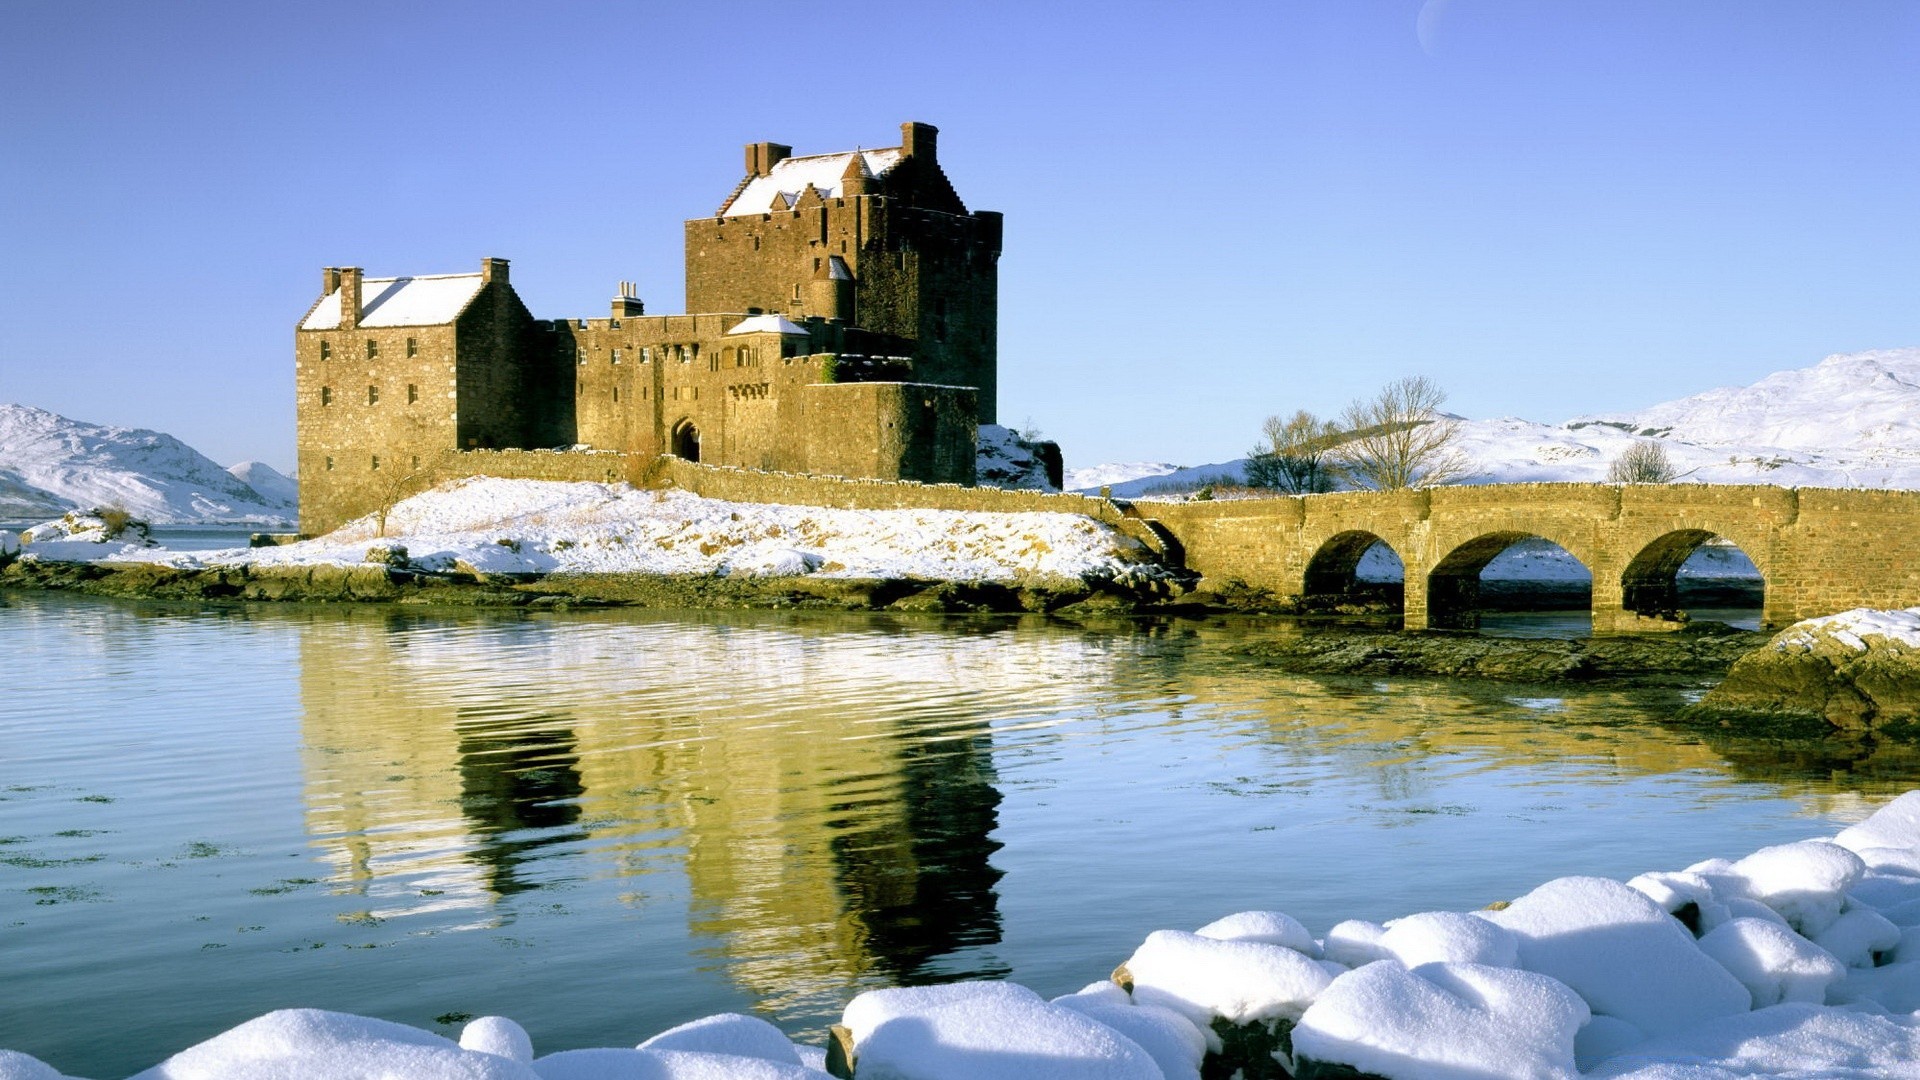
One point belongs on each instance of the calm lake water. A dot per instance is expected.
(605, 824)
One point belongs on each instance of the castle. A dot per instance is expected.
(844, 311)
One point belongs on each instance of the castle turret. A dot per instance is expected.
(830, 293)
(857, 179)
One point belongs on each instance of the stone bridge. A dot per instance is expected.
(1818, 550)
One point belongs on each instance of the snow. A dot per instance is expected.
(1004, 460)
(50, 464)
(1270, 927)
(1582, 976)
(427, 300)
(542, 527)
(768, 324)
(1621, 952)
(1852, 630)
(1772, 962)
(727, 1033)
(1237, 981)
(1852, 420)
(985, 1031)
(1443, 1022)
(792, 176)
(267, 481)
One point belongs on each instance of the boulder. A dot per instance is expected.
(1856, 671)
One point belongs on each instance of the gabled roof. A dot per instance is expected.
(428, 300)
(790, 177)
(768, 324)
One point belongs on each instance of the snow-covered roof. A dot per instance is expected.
(790, 177)
(768, 324)
(401, 301)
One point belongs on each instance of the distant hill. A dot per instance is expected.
(1852, 420)
(50, 464)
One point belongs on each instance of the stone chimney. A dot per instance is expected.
(627, 305)
(919, 140)
(329, 280)
(349, 297)
(492, 270)
(763, 156)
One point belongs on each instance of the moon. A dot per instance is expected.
(1426, 25)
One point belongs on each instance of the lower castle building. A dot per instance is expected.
(846, 325)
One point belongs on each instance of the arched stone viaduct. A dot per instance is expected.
(1818, 550)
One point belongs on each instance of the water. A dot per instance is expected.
(605, 824)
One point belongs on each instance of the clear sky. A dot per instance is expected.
(1213, 211)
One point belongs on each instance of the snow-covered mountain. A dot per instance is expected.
(50, 464)
(1852, 420)
(267, 480)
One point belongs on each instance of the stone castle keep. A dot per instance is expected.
(843, 312)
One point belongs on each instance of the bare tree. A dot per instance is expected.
(1400, 439)
(1295, 455)
(401, 485)
(1642, 463)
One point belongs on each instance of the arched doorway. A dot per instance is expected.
(1511, 584)
(1354, 572)
(686, 441)
(1695, 575)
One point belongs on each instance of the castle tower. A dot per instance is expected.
(919, 268)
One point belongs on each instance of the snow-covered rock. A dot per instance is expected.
(985, 1031)
(1005, 460)
(49, 463)
(1240, 982)
(1443, 1021)
(1858, 669)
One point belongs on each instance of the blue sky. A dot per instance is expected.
(1214, 211)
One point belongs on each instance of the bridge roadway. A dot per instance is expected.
(1818, 550)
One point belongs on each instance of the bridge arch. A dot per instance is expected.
(1333, 573)
(1453, 585)
(1651, 587)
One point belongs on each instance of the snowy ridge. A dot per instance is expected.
(50, 464)
(1800, 961)
(1852, 420)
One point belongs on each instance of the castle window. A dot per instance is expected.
(816, 264)
(616, 356)
(580, 353)
(326, 395)
(413, 393)
(646, 354)
(329, 464)
(416, 461)
(413, 347)
(796, 290)
(326, 350)
(616, 395)
(376, 463)
(373, 395)
(756, 243)
(373, 348)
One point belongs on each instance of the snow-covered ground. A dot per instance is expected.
(1799, 961)
(543, 527)
(50, 464)
(1852, 420)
